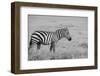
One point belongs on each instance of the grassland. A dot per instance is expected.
(75, 49)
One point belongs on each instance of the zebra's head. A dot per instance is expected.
(67, 34)
(63, 33)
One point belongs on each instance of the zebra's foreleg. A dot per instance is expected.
(51, 47)
(54, 47)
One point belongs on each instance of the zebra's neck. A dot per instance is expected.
(60, 34)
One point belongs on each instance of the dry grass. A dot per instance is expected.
(62, 52)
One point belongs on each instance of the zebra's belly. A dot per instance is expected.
(42, 42)
(45, 43)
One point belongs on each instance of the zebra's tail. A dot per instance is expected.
(30, 45)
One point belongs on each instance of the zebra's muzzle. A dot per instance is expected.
(70, 39)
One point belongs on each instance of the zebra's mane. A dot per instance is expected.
(65, 28)
(61, 32)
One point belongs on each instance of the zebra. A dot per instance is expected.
(49, 38)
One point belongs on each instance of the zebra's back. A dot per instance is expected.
(44, 37)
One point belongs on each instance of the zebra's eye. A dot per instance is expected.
(67, 33)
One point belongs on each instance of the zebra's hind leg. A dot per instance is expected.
(31, 50)
(37, 53)
(38, 45)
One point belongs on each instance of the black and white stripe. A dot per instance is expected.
(46, 38)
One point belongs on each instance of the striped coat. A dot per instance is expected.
(49, 38)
